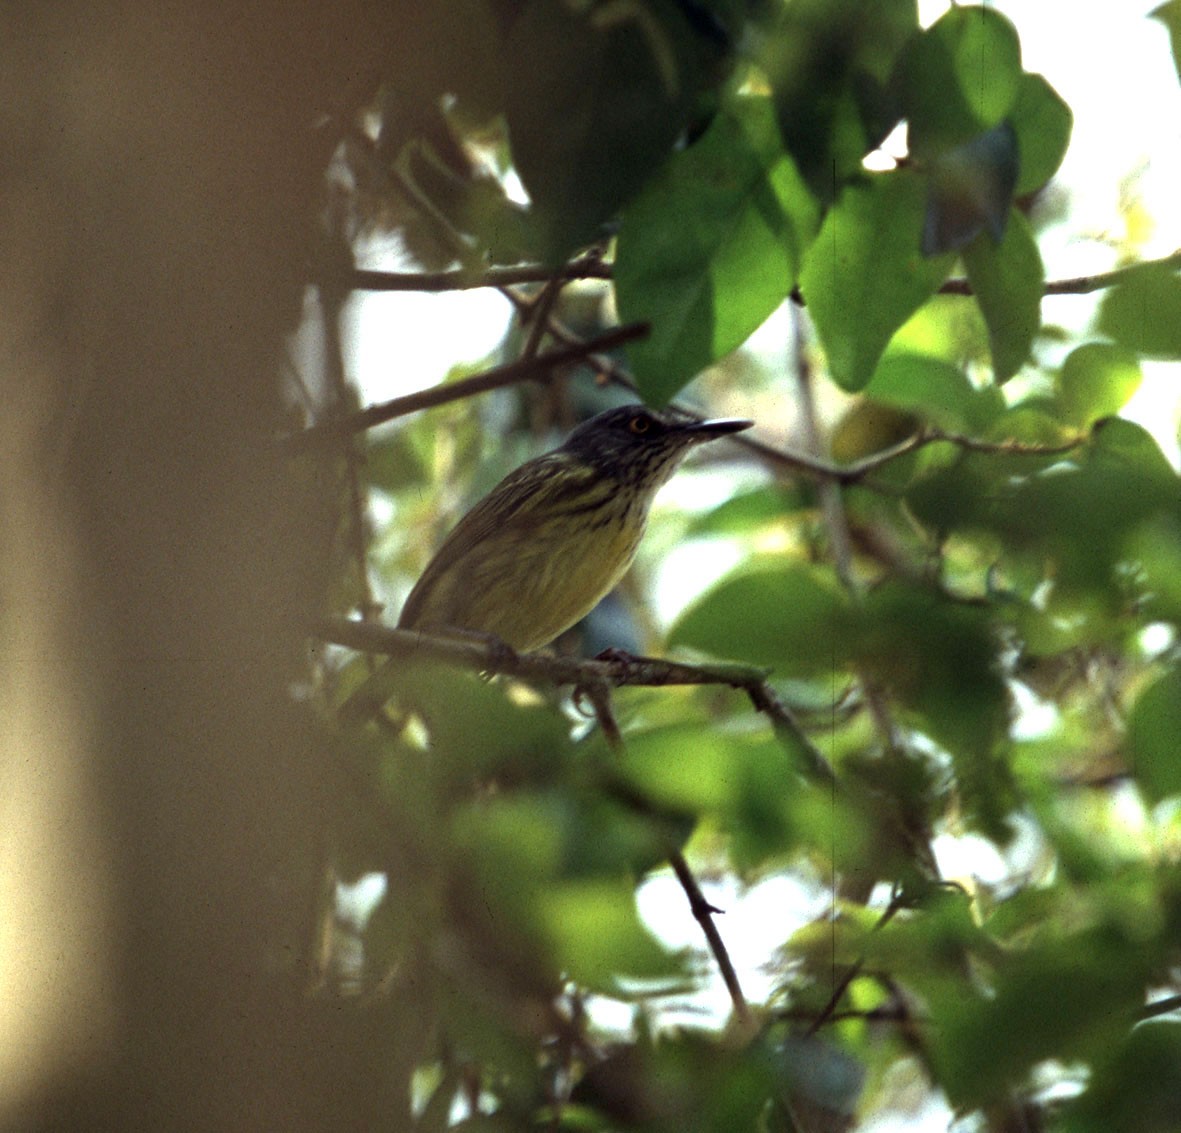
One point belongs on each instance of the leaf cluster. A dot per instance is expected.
(973, 613)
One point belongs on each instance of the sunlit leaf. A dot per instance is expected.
(790, 616)
(865, 275)
(712, 246)
(960, 77)
(1154, 729)
(1008, 278)
(1143, 313)
(1043, 124)
(934, 389)
(1095, 381)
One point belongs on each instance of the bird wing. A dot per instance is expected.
(536, 487)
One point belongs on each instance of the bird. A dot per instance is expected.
(539, 551)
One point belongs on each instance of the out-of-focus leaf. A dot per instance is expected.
(1095, 381)
(623, 88)
(1143, 313)
(960, 77)
(1169, 14)
(970, 191)
(864, 275)
(1008, 278)
(746, 512)
(1043, 123)
(829, 65)
(687, 1082)
(743, 785)
(793, 617)
(1154, 737)
(1066, 999)
(712, 246)
(935, 390)
(596, 935)
(1135, 1088)
(939, 659)
(477, 728)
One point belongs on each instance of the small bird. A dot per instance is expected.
(537, 553)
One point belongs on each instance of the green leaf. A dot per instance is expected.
(959, 78)
(1095, 381)
(1135, 1089)
(596, 935)
(1169, 14)
(787, 615)
(1154, 737)
(864, 275)
(940, 659)
(1008, 280)
(711, 247)
(1144, 312)
(1043, 124)
(622, 90)
(1066, 999)
(935, 390)
(970, 191)
(829, 64)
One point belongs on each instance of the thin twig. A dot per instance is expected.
(703, 912)
(852, 971)
(462, 279)
(538, 368)
(1081, 284)
(591, 267)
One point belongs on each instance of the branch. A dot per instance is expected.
(463, 279)
(538, 367)
(856, 472)
(1080, 284)
(615, 671)
(592, 267)
(703, 912)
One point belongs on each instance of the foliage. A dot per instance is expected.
(981, 548)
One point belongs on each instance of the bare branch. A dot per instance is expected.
(538, 368)
(463, 279)
(703, 912)
(592, 267)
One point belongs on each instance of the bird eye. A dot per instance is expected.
(639, 425)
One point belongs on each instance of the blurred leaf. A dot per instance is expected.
(746, 512)
(971, 191)
(1043, 124)
(596, 934)
(864, 275)
(742, 786)
(479, 728)
(937, 391)
(1169, 14)
(1135, 1089)
(687, 1082)
(711, 247)
(1154, 737)
(1008, 279)
(829, 65)
(1143, 313)
(1096, 380)
(1063, 999)
(787, 615)
(960, 77)
(623, 86)
(939, 659)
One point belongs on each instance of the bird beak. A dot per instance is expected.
(721, 427)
